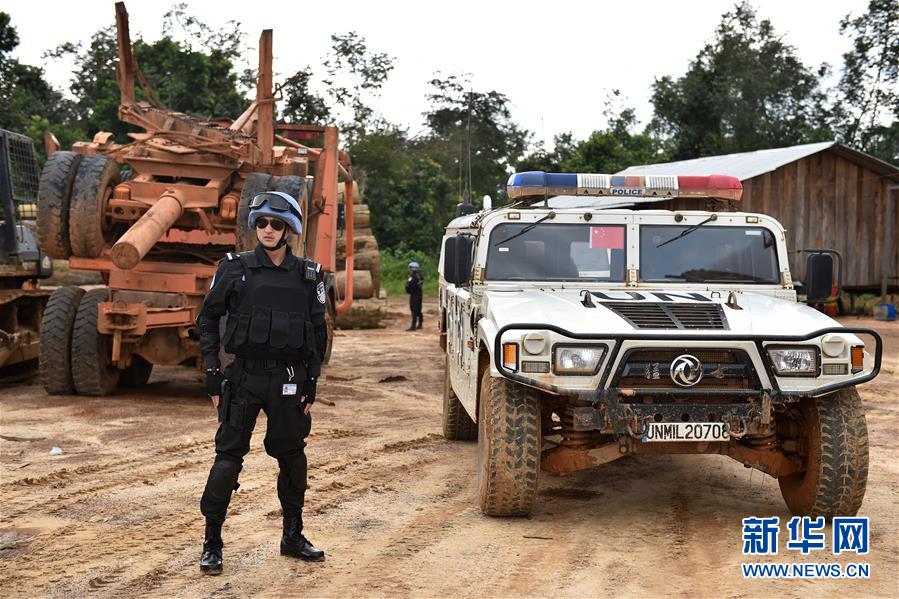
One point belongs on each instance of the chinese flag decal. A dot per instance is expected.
(606, 238)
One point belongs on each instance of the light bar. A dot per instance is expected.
(538, 183)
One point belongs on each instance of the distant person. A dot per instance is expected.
(275, 306)
(413, 288)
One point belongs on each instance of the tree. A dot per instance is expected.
(354, 79)
(26, 99)
(200, 81)
(497, 142)
(745, 90)
(411, 199)
(869, 84)
(301, 104)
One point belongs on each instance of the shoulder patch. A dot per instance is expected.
(320, 292)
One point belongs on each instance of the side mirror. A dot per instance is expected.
(457, 260)
(819, 276)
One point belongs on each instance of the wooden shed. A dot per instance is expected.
(827, 196)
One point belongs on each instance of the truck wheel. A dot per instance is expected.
(56, 340)
(508, 447)
(457, 424)
(137, 374)
(92, 370)
(330, 319)
(835, 475)
(53, 197)
(255, 184)
(97, 177)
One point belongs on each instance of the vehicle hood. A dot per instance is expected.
(759, 314)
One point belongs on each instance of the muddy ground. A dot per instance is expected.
(392, 502)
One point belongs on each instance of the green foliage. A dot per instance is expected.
(410, 198)
(497, 142)
(25, 96)
(395, 269)
(869, 85)
(746, 90)
(605, 151)
(301, 104)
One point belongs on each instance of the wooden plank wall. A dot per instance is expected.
(827, 202)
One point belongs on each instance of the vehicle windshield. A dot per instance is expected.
(556, 252)
(708, 254)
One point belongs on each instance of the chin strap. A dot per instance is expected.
(283, 240)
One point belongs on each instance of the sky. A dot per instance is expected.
(556, 61)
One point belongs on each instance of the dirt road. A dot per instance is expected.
(392, 503)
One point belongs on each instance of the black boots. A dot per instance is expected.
(416, 323)
(211, 560)
(295, 544)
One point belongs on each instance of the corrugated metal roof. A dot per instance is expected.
(744, 165)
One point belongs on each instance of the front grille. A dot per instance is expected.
(651, 368)
(670, 315)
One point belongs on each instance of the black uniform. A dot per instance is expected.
(413, 288)
(275, 327)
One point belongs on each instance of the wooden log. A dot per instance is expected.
(362, 285)
(361, 217)
(364, 314)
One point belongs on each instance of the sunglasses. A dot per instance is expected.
(274, 201)
(263, 222)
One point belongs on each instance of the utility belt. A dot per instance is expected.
(265, 364)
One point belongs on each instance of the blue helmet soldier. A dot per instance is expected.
(274, 309)
(413, 288)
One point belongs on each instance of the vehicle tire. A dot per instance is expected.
(97, 177)
(53, 201)
(508, 447)
(330, 320)
(92, 370)
(54, 365)
(255, 184)
(137, 374)
(457, 424)
(293, 186)
(834, 430)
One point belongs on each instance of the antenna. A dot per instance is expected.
(468, 183)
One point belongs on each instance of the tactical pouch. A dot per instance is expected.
(280, 329)
(224, 401)
(296, 326)
(236, 411)
(260, 325)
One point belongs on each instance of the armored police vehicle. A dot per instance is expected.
(582, 324)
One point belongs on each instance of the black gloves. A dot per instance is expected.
(309, 390)
(214, 378)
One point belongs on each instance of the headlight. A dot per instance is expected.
(794, 361)
(577, 359)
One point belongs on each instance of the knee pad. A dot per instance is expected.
(223, 479)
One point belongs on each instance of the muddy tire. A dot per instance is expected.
(54, 365)
(255, 184)
(53, 202)
(457, 424)
(330, 323)
(97, 177)
(91, 368)
(508, 447)
(836, 465)
(137, 374)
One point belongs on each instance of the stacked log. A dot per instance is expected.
(369, 308)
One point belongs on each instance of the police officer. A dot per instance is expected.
(413, 288)
(274, 304)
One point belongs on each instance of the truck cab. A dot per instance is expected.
(582, 323)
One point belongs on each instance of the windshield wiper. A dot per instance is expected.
(526, 229)
(716, 276)
(686, 232)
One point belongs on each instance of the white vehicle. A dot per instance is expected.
(577, 332)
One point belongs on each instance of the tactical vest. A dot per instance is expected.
(272, 321)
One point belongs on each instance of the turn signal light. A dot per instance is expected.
(510, 356)
(858, 358)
